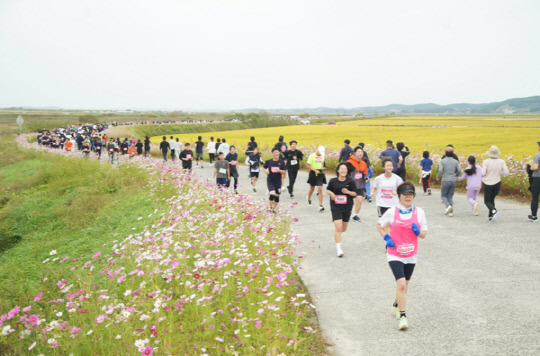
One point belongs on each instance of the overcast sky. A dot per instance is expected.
(231, 54)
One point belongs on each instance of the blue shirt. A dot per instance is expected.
(394, 154)
(426, 164)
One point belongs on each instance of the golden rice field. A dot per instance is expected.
(515, 135)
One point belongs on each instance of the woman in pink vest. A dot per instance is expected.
(401, 226)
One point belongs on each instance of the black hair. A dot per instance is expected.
(405, 187)
(252, 138)
(358, 148)
(349, 166)
(200, 138)
(186, 144)
(223, 140)
(280, 138)
(425, 154)
(400, 146)
(386, 159)
(164, 137)
(471, 171)
(220, 153)
(211, 138)
(347, 142)
(172, 137)
(231, 147)
(275, 149)
(218, 140)
(293, 141)
(361, 144)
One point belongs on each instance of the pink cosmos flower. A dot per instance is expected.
(101, 318)
(175, 263)
(27, 309)
(97, 255)
(33, 319)
(13, 312)
(147, 351)
(258, 324)
(196, 276)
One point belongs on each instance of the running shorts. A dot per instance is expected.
(402, 270)
(316, 180)
(273, 186)
(338, 214)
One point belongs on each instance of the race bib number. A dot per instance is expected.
(405, 249)
(233, 163)
(274, 169)
(111, 149)
(294, 162)
(188, 156)
(318, 159)
(341, 199)
(254, 169)
(125, 148)
(358, 175)
(387, 194)
(223, 170)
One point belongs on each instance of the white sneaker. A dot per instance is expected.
(321, 208)
(403, 325)
(475, 209)
(339, 252)
(395, 310)
(450, 214)
(448, 210)
(494, 217)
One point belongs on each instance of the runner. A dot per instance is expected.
(385, 186)
(221, 171)
(139, 147)
(172, 147)
(283, 154)
(111, 147)
(223, 147)
(232, 158)
(68, 145)
(391, 152)
(346, 151)
(449, 170)
(404, 151)
(211, 148)
(178, 148)
(164, 147)
(401, 227)
(280, 143)
(293, 165)
(493, 169)
(473, 174)
(124, 147)
(187, 157)
(98, 147)
(425, 172)
(315, 163)
(342, 191)
(251, 146)
(275, 174)
(199, 146)
(132, 151)
(535, 186)
(147, 146)
(359, 175)
(218, 143)
(365, 157)
(253, 161)
(86, 147)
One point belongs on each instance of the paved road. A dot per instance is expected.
(475, 290)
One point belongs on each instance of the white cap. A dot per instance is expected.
(321, 150)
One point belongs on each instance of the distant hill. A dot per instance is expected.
(510, 106)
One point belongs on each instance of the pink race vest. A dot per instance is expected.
(404, 238)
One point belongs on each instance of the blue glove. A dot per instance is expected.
(415, 229)
(389, 241)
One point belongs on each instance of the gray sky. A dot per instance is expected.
(231, 54)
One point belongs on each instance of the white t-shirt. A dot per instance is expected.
(385, 189)
(211, 147)
(172, 144)
(388, 219)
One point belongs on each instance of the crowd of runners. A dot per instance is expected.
(400, 222)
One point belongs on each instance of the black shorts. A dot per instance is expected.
(316, 180)
(361, 192)
(273, 186)
(338, 214)
(402, 270)
(254, 174)
(381, 210)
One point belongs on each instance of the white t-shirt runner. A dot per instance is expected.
(385, 188)
(388, 219)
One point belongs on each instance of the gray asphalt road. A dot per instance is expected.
(475, 289)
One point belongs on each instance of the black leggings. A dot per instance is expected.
(535, 191)
(211, 155)
(402, 270)
(425, 182)
(235, 182)
(490, 193)
(292, 179)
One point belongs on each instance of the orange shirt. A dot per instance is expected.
(132, 150)
(358, 166)
(68, 145)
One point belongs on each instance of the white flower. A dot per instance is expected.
(59, 314)
(32, 346)
(126, 313)
(6, 330)
(51, 341)
(90, 332)
(219, 339)
(144, 317)
(118, 337)
(72, 310)
(141, 342)
(52, 253)
(128, 292)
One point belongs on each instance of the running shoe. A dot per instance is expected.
(339, 252)
(450, 214)
(425, 193)
(403, 325)
(321, 208)
(291, 195)
(448, 210)
(254, 190)
(308, 202)
(429, 191)
(533, 218)
(495, 213)
(356, 218)
(395, 310)
(475, 209)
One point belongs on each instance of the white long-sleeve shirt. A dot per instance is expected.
(492, 170)
(211, 147)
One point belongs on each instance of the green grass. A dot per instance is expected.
(70, 205)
